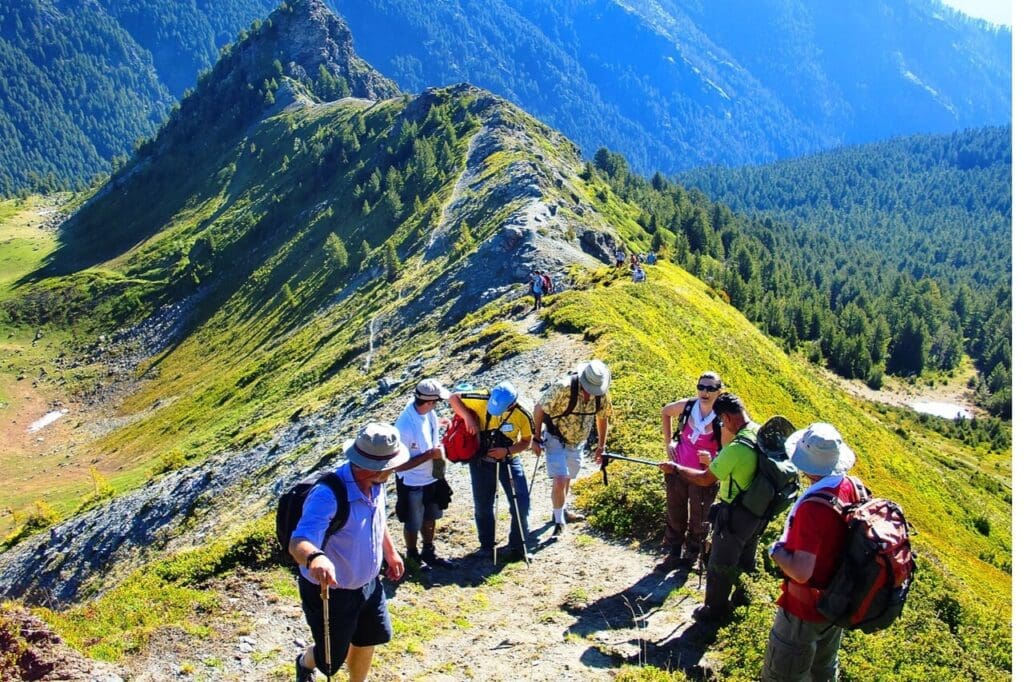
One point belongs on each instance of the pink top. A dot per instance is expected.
(686, 452)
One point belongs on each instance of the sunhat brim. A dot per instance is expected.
(370, 463)
(593, 389)
(806, 462)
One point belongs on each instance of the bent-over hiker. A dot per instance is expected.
(423, 493)
(569, 410)
(803, 642)
(348, 562)
(687, 502)
(505, 431)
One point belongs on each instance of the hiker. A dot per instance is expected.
(536, 287)
(652, 258)
(348, 564)
(423, 493)
(638, 274)
(620, 256)
(734, 530)
(569, 411)
(802, 641)
(686, 502)
(505, 431)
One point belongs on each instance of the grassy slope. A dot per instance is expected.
(658, 337)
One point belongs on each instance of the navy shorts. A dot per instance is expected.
(358, 617)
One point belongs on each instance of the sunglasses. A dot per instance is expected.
(709, 389)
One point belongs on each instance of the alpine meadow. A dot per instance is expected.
(230, 238)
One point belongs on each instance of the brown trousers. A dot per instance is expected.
(686, 511)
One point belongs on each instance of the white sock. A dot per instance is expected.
(559, 514)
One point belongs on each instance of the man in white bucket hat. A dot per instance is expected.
(570, 409)
(348, 561)
(803, 644)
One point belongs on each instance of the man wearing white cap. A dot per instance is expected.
(505, 430)
(421, 493)
(570, 409)
(348, 561)
(803, 644)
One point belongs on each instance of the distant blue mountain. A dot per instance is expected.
(674, 84)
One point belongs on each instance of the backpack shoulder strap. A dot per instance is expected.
(337, 486)
(574, 395)
(687, 409)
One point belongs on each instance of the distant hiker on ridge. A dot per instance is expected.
(505, 430)
(422, 491)
(348, 562)
(536, 287)
(803, 642)
(687, 502)
(569, 411)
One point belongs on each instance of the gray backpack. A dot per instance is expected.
(776, 485)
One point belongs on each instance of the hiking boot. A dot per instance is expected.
(559, 529)
(511, 554)
(430, 559)
(704, 614)
(573, 517)
(690, 555)
(668, 564)
(303, 674)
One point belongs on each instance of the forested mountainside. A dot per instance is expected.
(675, 85)
(905, 244)
(276, 267)
(80, 83)
(671, 85)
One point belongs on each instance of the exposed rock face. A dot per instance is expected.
(312, 35)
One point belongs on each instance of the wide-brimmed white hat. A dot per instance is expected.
(595, 377)
(377, 447)
(819, 450)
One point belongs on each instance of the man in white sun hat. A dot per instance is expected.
(348, 561)
(570, 409)
(422, 492)
(803, 644)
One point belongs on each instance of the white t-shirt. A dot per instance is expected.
(419, 433)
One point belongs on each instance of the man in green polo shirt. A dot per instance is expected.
(735, 530)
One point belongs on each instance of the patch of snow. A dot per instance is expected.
(46, 420)
(940, 409)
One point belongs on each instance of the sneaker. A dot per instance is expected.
(559, 529)
(574, 517)
(303, 674)
(514, 554)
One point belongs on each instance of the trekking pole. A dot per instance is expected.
(536, 465)
(325, 596)
(608, 456)
(497, 486)
(519, 519)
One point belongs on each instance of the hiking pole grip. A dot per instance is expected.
(325, 596)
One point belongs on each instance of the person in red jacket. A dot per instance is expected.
(803, 644)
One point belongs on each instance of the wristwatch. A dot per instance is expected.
(312, 556)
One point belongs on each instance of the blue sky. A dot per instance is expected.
(996, 11)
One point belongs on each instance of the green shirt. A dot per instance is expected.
(736, 464)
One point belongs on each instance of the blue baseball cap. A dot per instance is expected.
(502, 397)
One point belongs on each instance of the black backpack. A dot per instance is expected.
(574, 398)
(289, 508)
(716, 426)
(776, 485)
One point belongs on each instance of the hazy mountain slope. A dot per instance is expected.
(707, 83)
(81, 82)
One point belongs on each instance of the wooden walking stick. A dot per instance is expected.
(325, 596)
